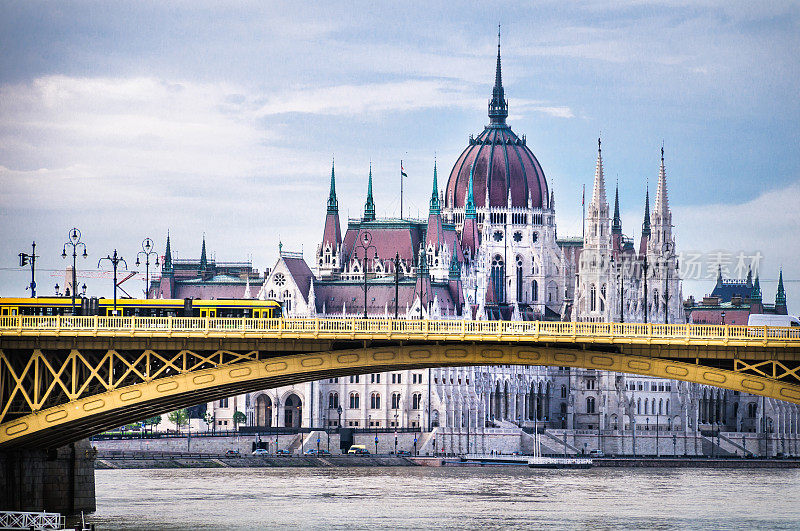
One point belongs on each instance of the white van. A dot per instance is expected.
(765, 319)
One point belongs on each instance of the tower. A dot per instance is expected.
(437, 252)
(780, 297)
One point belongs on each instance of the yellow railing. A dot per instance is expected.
(391, 328)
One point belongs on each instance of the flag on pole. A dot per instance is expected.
(402, 171)
(583, 198)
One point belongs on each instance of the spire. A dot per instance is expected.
(455, 266)
(661, 206)
(333, 203)
(599, 191)
(469, 209)
(719, 276)
(203, 258)
(748, 282)
(646, 224)
(434, 206)
(369, 206)
(756, 293)
(498, 106)
(616, 225)
(167, 262)
(780, 298)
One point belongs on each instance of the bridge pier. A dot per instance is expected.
(59, 480)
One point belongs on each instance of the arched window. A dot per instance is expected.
(534, 291)
(498, 278)
(354, 401)
(375, 401)
(395, 400)
(287, 300)
(660, 404)
(592, 298)
(646, 401)
(519, 279)
(563, 391)
(603, 298)
(590, 404)
(638, 406)
(333, 401)
(667, 406)
(752, 408)
(416, 401)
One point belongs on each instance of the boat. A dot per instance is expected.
(540, 461)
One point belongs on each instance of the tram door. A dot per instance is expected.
(211, 312)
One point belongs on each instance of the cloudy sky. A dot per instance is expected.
(131, 119)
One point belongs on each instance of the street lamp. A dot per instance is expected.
(277, 421)
(147, 250)
(74, 240)
(115, 261)
(365, 243)
(722, 314)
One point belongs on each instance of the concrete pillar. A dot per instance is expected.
(60, 480)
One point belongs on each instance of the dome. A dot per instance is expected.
(502, 163)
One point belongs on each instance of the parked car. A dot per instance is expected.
(232, 453)
(283, 452)
(596, 453)
(314, 451)
(260, 451)
(403, 453)
(358, 449)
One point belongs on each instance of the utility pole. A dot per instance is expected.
(115, 261)
(24, 258)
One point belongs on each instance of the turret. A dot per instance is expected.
(780, 297)
(166, 263)
(597, 220)
(434, 234)
(662, 217)
(328, 251)
(470, 236)
(203, 257)
(616, 224)
(645, 225)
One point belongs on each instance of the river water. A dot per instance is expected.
(447, 498)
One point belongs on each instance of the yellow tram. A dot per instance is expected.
(267, 309)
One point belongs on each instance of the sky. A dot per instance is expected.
(132, 119)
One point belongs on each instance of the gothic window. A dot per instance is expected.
(498, 236)
(534, 291)
(498, 278)
(280, 280)
(646, 401)
(375, 401)
(603, 298)
(518, 236)
(333, 401)
(395, 400)
(656, 302)
(519, 279)
(590, 383)
(287, 300)
(535, 237)
(660, 405)
(354, 379)
(592, 298)
(354, 401)
(751, 410)
(271, 294)
(375, 378)
(416, 401)
(563, 391)
(590, 404)
(638, 406)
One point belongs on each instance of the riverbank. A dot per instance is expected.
(142, 460)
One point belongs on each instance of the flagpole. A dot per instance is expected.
(401, 188)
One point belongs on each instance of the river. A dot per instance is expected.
(422, 497)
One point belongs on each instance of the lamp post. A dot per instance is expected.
(397, 282)
(147, 250)
(74, 241)
(647, 428)
(24, 258)
(365, 243)
(277, 421)
(115, 261)
(722, 314)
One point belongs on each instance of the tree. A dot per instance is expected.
(208, 419)
(179, 418)
(152, 421)
(238, 418)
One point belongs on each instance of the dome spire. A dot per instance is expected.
(646, 224)
(498, 106)
(780, 298)
(333, 203)
(369, 206)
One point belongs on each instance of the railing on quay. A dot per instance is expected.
(392, 328)
(30, 520)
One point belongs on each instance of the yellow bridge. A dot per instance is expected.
(63, 378)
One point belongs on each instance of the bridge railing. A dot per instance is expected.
(394, 328)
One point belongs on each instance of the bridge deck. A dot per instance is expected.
(401, 329)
